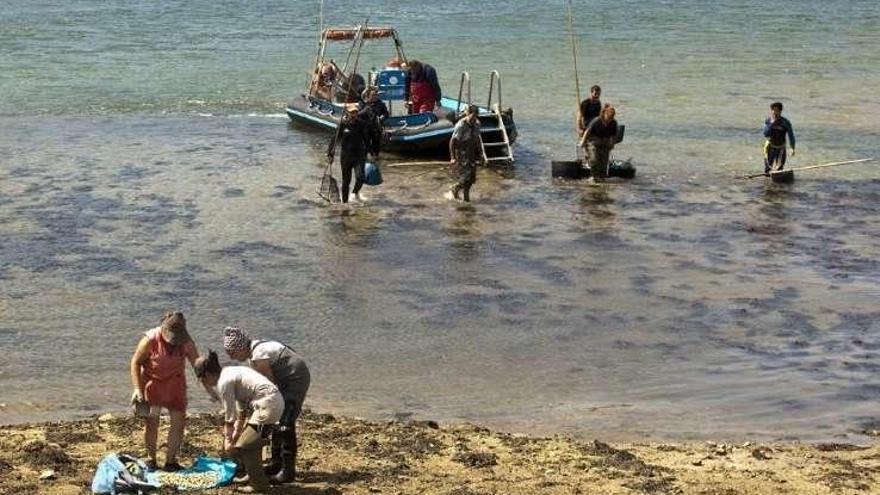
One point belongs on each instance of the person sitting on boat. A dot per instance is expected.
(325, 78)
(776, 128)
(424, 88)
(599, 139)
(358, 134)
(465, 151)
(374, 104)
(394, 63)
(590, 108)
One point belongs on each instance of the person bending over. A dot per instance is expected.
(240, 389)
(424, 87)
(288, 371)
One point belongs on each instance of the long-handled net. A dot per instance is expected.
(328, 189)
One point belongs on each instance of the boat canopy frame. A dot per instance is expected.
(358, 36)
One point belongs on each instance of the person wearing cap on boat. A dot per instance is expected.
(590, 108)
(159, 380)
(358, 134)
(241, 389)
(465, 151)
(374, 104)
(424, 88)
(776, 128)
(599, 139)
(355, 87)
(288, 371)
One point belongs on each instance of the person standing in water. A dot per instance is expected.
(358, 134)
(590, 109)
(776, 128)
(288, 371)
(599, 139)
(159, 381)
(465, 152)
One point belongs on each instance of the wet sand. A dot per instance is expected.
(354, 456)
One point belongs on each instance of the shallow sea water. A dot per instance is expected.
(147, 164)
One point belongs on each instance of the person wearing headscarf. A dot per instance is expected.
(243, 389)
(159, 381)
(285, 368)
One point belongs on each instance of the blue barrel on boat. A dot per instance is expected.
(392, 84)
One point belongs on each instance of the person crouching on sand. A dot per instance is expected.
(241, 388)
(159, 380)
(285, 368)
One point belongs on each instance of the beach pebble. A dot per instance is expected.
(760, 454)
(105, 417)
(375, 489)
(48, 474)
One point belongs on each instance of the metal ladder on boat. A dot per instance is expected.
(495, 139)
(501, 151)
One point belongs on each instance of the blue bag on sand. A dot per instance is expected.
(372, 175)
(122, 473)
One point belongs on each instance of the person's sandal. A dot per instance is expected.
(151, 465)
(172, 467)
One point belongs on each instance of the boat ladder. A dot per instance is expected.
(496, 141)
(493, 131)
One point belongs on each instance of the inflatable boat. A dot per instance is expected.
(332, 86)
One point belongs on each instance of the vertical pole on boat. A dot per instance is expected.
(320, 20)
(319, 54)
(577, 84)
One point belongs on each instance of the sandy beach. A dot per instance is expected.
(354, 456)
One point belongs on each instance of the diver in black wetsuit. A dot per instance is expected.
(358, 134)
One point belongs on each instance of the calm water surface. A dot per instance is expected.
(147, 164)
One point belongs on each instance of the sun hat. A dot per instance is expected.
(173, 328)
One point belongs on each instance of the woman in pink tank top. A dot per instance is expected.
(159, 378)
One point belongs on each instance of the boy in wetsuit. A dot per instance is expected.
(776, 128)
